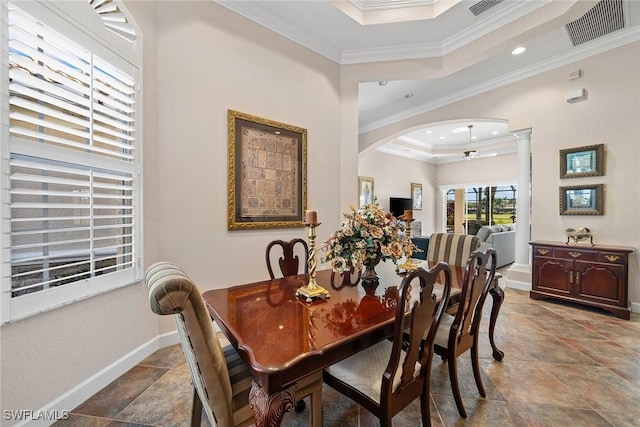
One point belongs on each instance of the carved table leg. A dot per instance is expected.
(268, 410)
(497, 294)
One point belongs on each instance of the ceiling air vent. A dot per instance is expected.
(603, 18)
(483, 5)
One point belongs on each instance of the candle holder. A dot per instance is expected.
(409, 263)
(312, 290)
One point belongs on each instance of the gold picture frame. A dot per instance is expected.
(267, 173)
(366, 194)
(416, 196)
(582, 200)
(582, 161)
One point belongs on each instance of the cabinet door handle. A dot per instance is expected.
(543, 251)
(612, 258)
(575, 254)
(571, 278)
(577, 278)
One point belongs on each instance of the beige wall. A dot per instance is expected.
(200, 60)
(609, 116)
(393, 176)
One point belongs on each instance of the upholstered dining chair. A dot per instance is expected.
(289, 261)
(459, 332)
(221, 380)
(384, 378)
(454, 249)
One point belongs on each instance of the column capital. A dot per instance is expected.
(522, 134)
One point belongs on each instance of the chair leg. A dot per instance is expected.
(476, 369)
(196, 409)
(453, 377)
(426, 412)
(315, 410)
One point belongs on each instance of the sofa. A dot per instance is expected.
(502, 238)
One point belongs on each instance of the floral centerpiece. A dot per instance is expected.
(365, 238)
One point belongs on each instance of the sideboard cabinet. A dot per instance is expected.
(590, 275)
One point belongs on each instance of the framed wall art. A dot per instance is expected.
(582, 161)
(416, 196)
(267, 173)
(582, 200)
(365, 191)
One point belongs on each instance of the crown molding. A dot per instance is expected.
(253, 12)
(595, 47)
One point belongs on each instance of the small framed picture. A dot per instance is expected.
(582, 200)
(416, 196)
(365, 190)
(582, 161)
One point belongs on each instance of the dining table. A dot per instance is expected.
(283, 338)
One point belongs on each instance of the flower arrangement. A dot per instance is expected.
(366, 237)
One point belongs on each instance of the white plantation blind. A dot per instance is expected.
(72, 168)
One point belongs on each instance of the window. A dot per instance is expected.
(482, 206)
(72, 186)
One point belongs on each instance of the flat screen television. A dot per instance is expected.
(397, 205)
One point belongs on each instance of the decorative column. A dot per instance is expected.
(519, 274)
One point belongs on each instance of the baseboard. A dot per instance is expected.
(635, 307)
(514, 284)
(86, 389)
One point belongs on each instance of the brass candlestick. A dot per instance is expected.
(409, 264)
(312, 290)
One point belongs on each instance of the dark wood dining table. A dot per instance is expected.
(283, 339)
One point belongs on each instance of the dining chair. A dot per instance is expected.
(221, 380)
(459, 332)
(384, 378)
(454, 249)
(289, 261)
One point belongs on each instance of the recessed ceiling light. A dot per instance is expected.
(409, 95)
(460, 129)
(442, 137)
(429, 132)
(495, 132)
(474, 137)
(382, 82)
(518, 50)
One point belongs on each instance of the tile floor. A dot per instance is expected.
(565, 365)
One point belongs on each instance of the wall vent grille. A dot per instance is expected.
(605, 17)
(482, 6)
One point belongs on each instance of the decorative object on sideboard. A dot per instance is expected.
(267, 173)
(575, 235)
(580, 162)
(582, 200)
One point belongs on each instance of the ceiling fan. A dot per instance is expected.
(470, 153)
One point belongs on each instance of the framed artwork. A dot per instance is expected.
(267, 173)
(416, 196)
(582, 161)
(365, 190)
(582, 200)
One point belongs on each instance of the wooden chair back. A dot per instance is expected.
(459, 332)
(289, 262)
(396, 393)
